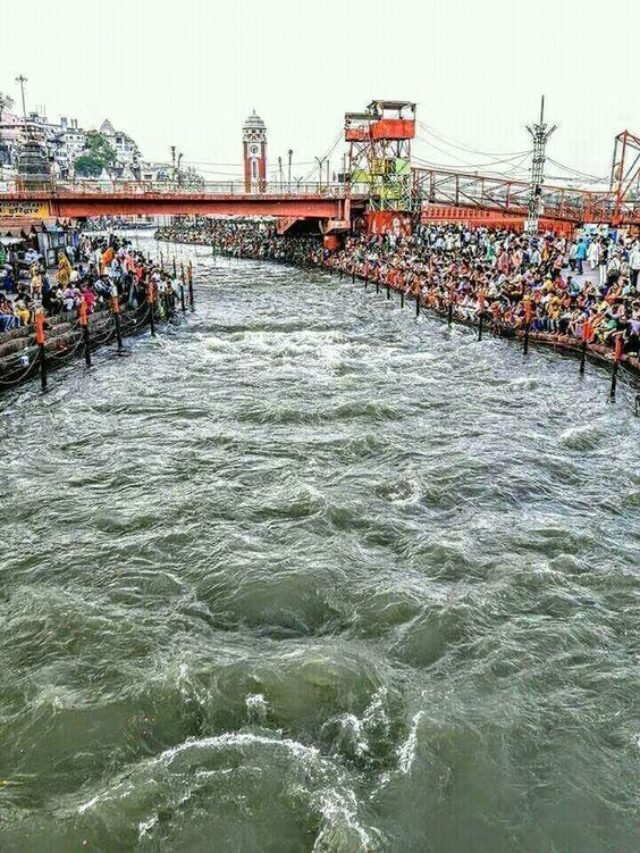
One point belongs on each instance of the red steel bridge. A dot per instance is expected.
(328, 205)
(380, 181)
(437, 194)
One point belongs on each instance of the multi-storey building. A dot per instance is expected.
(62, 143)
(127, 152)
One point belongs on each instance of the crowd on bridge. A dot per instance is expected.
(101, 269)
(565, 290)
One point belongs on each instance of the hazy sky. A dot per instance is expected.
(189, 71)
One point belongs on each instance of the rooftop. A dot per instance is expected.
(254, 120)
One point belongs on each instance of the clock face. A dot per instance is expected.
(254, 150)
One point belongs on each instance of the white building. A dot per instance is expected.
(65, 141)
(127, 151)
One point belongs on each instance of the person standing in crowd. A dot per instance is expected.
(603, 261)
(64, 269)
(593, 253)
(36, 282)
(581, 255)
(573, 250)
(634, 264)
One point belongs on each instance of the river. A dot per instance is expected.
(306, 574)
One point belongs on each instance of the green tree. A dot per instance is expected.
(98, 154)
(88, 166)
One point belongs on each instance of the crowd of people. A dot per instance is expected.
(587, 287)
(572, 289)
(97, 271)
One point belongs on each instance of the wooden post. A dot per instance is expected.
(587, 337)
(481, 304)
(115, 309)
(83, 320)
(617, 358)
(40, 340)
(528, 316)
(150, 301)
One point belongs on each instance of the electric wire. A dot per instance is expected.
(460, 146)
(483, 165)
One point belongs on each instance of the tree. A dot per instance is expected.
(88, 166)
(98, 154)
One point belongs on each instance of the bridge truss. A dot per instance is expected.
(502, 195)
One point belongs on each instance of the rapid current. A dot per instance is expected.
(306, 574)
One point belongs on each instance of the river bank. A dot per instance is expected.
(516, 316)
(109, 290)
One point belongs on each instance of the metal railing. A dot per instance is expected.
(62, 188)
(430, 186)
(500, 194)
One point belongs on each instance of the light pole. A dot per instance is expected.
(320, 161)
(290, 155)
(22, 80)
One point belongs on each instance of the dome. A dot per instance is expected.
(254, 122)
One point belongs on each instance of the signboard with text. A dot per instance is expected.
(24, 210)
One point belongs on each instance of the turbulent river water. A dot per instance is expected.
(304, 574)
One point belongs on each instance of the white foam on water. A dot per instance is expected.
(526, 382)
(406, 493)
(407, 750)
(583, 437)
(145, 826)
(257, 707)
(376, 712)
(232, 739)
(84, 807)
(356, 729)
(339, 810)
(335, 801)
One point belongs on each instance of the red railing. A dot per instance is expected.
(65, 189)
(439, 186)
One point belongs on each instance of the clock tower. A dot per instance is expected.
(254, 142)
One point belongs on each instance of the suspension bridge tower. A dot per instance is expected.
(379, 142)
